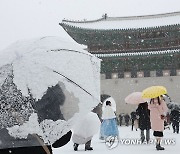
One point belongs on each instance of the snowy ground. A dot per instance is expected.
(124, 146)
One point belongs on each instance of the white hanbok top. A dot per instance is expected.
(108, 113)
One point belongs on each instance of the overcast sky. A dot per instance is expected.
(23, 19)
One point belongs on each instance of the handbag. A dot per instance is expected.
(163, 117)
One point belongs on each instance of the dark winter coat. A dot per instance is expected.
(126, 118)
(175, 116)
(144, 116)
(133, 115)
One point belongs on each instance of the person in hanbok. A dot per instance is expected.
(109, 123)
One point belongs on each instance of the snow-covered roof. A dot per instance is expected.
(130, 22)
(138, 53)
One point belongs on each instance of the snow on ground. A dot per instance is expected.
(126, 133)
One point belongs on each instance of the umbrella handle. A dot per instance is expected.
(42, 143)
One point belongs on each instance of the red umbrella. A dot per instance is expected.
(135, 98)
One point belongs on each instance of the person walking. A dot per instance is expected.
(143, 114)
(158, 110)
(109, 123)
(133, 120)
(120, 119)
(126, 118)
(84, 130)
(175, 118)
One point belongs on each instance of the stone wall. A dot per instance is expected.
(120, 88)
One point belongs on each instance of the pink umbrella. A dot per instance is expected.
(135, 98)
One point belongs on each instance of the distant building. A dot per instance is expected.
(137, 52)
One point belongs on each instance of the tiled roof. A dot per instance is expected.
(131, 22)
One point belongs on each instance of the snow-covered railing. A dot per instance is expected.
(137, 53)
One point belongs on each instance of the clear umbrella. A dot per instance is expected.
(46, 84)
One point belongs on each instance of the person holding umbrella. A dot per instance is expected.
(84, 130)
(36, 110)
(158, 110)
(144, 120)
(142, 112)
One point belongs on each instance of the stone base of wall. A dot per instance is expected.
(120, 88)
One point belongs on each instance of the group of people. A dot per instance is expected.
(154, 115)
(108, 128)
(149, 115)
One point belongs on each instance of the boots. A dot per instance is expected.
(75, 146)
(159, 147)
(88, 146)
(142, 136)
(147, 136)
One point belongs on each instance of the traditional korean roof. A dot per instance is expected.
(107, 35)
(130, 22)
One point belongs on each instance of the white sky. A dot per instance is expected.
(23, 19)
